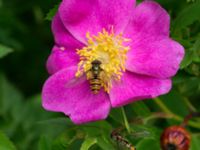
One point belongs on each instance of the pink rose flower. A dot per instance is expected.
(131, 42)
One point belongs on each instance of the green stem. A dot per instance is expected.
(157, 116)
(162, 106)
(174, 116)
(125, 120)
(190, 106)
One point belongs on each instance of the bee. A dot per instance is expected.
(121, 140)
(177, 137)
(95, 76)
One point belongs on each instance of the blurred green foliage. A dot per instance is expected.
(25, 43)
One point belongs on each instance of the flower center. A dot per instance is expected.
(108, 49)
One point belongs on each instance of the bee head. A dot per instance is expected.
(96, 62)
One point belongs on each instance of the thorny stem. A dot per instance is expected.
(125, 120)
(174, 116)
(190, 116)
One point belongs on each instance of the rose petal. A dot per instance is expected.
(133, 87)
(76, 100)
(80, 17)
(149, 18)
(154, 56)
(61, 58)
(62, 36)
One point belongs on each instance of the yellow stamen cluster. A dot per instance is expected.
(108, 48)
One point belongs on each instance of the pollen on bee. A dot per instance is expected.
(109, 49)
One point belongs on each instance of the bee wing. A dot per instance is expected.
(75, 81)
(140, 134)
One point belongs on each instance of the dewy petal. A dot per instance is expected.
(82, 16)
(74, 99)
(149, 18)
(62, 37)
(135, 87)
(154, 56)
(61, 58)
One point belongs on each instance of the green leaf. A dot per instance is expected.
(88, 143)
(192, 54)
(193, 69)
(10, 97)
(188, 58)
(52, 13)
(75, 145)
(44, 143)
(5, 143)
(195, 142)
(148, 144)
(175, 99)
(59, 121)
(66, 139)
(188, 87)
(4, 50)
(141, 109)
(97, 128)
(116, 114)
(187, 16)
(104, 143)
(196, 48)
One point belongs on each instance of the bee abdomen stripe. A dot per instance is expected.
(95, 81)
(95, 87)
